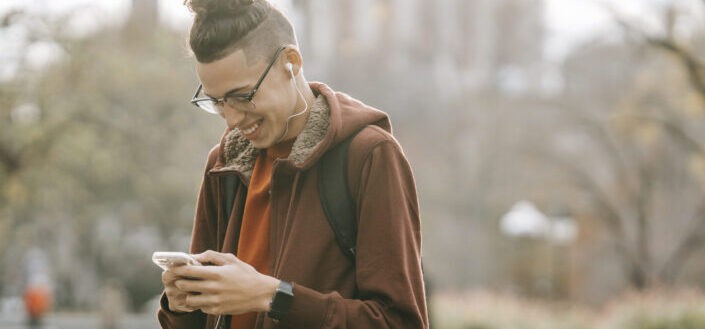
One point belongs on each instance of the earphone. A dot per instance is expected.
(290, 68)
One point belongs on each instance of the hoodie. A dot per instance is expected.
(383, 287)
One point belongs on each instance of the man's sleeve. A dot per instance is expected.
(202, 238)
(389, 276)
(171, 320)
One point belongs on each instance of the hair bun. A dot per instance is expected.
(206, 8)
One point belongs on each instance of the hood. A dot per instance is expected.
(333, 117)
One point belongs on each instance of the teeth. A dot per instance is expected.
(251, 129)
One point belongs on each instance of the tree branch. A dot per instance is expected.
(609, 214)
(9, 159)
(694, 239)
(677, 132)
(642, 201)
(600, 134)
(693, 65)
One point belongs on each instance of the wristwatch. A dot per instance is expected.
(282, 301)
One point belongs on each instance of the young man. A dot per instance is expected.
(273, 261)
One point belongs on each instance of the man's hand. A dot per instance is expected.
(227, 286)
(176, 297)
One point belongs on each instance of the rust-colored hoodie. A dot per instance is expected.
(384, 287)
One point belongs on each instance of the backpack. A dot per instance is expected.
(336, 200)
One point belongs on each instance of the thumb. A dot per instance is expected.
(215, 258)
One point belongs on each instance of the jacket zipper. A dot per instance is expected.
(284, 220)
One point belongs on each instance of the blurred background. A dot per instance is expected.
(558, 147)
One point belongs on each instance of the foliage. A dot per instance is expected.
(481, 310)
(652, 309)
(637, 127)
(656, 309)
(107, 169)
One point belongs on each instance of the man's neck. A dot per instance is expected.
(307, 93)
(297, 124)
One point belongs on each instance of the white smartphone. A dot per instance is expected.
(168, 259)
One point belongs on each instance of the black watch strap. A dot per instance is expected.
(282, 301)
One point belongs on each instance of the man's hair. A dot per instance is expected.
(222, 26)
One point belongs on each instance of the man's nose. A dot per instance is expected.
(233, 116)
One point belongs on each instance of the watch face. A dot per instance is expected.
(286, 288)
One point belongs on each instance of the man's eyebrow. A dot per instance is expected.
(231, 91)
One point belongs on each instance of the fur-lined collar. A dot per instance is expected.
(240, 155)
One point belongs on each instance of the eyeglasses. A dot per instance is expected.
(238, 101)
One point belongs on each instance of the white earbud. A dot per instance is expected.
(290, 68)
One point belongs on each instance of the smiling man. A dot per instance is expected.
(270, 256)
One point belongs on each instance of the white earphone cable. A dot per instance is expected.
(286, 130)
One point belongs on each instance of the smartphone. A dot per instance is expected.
(168, 259)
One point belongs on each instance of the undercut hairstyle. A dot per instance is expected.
(223, 26)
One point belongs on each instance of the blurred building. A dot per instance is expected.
(454, 75)
(460, 45)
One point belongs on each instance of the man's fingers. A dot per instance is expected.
(168, 277)
(196, 272)
(201, 301)
(177, 300)
(197, 286)
(181, 307)
(215, 258)
(184, 309)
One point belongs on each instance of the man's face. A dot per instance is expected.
(274, 101)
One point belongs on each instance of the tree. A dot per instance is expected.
(642, 124)
(100, 156)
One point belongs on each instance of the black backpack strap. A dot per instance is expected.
(229, 182)
(335, 196)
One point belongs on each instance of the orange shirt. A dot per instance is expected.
(253, 246)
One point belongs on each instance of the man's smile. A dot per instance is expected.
(251, 128)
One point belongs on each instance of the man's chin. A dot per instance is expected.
(261, 143)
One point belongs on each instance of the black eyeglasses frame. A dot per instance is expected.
(233, 99)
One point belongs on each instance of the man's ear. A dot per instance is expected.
(293, 57)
